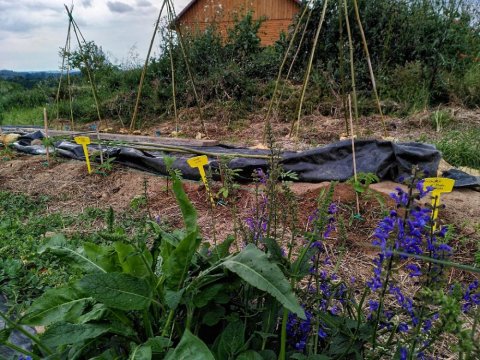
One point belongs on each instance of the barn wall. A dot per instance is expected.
(279, 15)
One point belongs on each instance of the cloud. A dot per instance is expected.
(87, 3)
(144, 3)
(119, 7)
(32, 31)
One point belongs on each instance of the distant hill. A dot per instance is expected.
(29, 78)
(10, 74)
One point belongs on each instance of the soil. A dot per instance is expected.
(72, 190)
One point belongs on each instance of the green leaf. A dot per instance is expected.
(268, 355)
(5, 335)
(158, 343)
(131, 260)
(223, 250)
(274, 250)
(190, 347)
(175, 267)
(141, 352)
(59, 246)
(206, 295)
(62, 304)
(232, 340)
(254, 267)
(249, 355)
(98, 312)
(65, 334)
(117, 290)
(213, 317)
(188, 211)
(103, 256)
(173, 298)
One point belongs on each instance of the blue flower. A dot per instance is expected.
(373, 305)
(321, 333)
(402, 327)
(414, 270)
(403, 353)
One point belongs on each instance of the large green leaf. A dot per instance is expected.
(232, 340)
(117, 290)
(102, 255)
(249, 355)
(188, 211)
(131, 259)
(158, 343)
(97, 312)
(62, 304)
(204, 296)
(60, 247)
(253, 266)
(223, 250)
(141, 352)
(66, 334)
(190, 347)
(175, 267)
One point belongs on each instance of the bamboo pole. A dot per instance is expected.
(282, 65)
(295, 56)
(308, 72)
(66, 51)
(182, 149)
(145, 66)
(370, 68)
(100, 145)
(352, 65)
(341, 62)
(187, 64)
(45, 126)
(353, 151)
(172, 69)
(85, 60)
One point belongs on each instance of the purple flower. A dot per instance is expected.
(373, 305)
(414, 270)
(471, 297)
(403, 353)
(321, 333)
(402, 327)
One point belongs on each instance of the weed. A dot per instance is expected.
(461, 147)
(441, 119)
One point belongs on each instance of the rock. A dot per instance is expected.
(9, 138)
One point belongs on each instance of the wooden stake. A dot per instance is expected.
(144, 70)
(353, 151)
(45, 124)
(99, 144)
(307, 74)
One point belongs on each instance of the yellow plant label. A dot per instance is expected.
(84, 141)
(440, 185)
(199, 162)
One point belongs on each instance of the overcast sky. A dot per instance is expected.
(33, 31)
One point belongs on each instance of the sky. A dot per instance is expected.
(33, 31)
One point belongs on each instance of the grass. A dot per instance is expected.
(461, 147)
(24, 116)
(25, 226)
